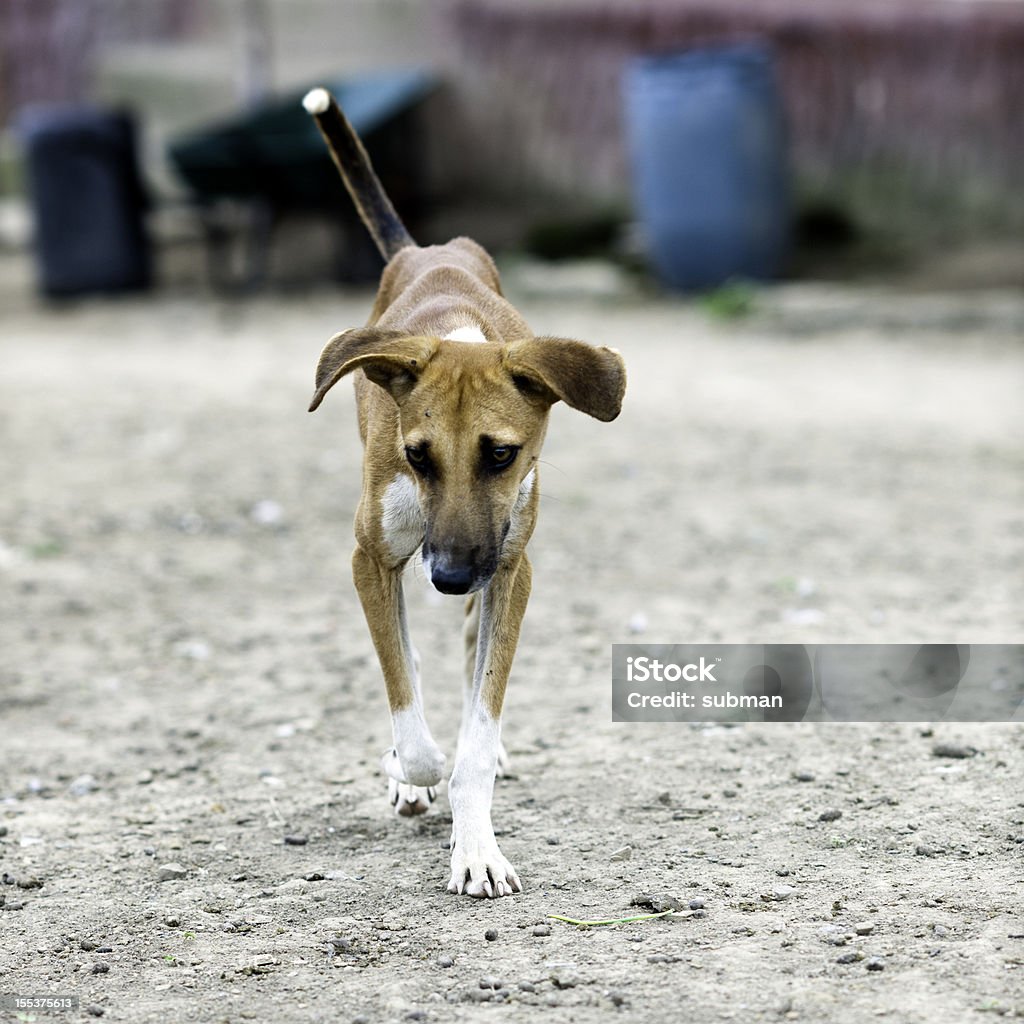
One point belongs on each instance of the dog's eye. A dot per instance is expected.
(417, 456)
(503, 455)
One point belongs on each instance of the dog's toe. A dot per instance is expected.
(482, 872)
(410, 800)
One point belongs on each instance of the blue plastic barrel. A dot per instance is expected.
(708, 150)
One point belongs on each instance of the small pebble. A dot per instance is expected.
(94, 1011)
(416, 1015)
(296, 840)
(3, 831)
(29, 883)
(104, 949)
(656, 904)
(169, 872)
(541, 929)
(171, 922)
(832, 814)
(491, 982)
(924, 850)
(623, 853)
(697, 904)
(100, 968)
(527, 986)
(266, 512)
(444, 960)
(876, 963)
(803, 776)
(564, 978)
(491, 934)
(14, 905)
(953, 750)
(313, 876)
(850, 958)
(638, 623)
(87, 945)
(864, 928)
(82, 785)
(782, 892)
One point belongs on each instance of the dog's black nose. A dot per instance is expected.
(452, 580)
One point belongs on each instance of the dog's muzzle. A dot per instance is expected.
(457, 579)
(457, 572)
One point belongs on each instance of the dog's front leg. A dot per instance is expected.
(478, 866)
(414, 765)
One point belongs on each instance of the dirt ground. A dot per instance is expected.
(186, 678)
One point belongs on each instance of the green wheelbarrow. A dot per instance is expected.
(273, 157)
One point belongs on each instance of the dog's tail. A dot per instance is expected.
(357, 172)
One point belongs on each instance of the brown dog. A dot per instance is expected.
(453, 392)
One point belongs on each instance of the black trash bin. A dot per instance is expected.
(88, 200)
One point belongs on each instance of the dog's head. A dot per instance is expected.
(472, 418)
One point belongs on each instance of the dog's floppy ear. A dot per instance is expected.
(590, 379)
(392, 359)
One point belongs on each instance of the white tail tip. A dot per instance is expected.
(316, 101)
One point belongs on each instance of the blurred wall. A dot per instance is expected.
(182, 63)
(908, 111)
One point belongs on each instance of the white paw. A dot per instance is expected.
(410, 800)
(423, 767)
(480, 870)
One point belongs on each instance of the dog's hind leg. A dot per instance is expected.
(406, 799)
(470, 632)
(414, 765)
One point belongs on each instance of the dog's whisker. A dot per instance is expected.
(552, 465)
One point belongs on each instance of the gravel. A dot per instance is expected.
(954, 751)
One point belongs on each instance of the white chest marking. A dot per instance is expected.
(525, 490)
(522, 500)
(401, 519)
(473, 334)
